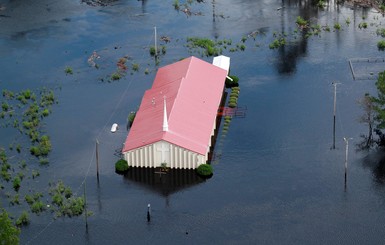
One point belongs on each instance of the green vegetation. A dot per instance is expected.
(337, 26)
(37, 207)
(35, 174)
(116, 76)
(23, 219)
(380, 32)
(153, 50)
(135, 67)
(207, 44)
(205, 170)
(176, 4)
(121, 166)
(131, 118)
(164, 167)
(65, 204)
(374, 108)
(321, 4)
(15, 200)
(232, 83)
(302, 23)
(381, 45)
(68, 70)
(363, 25)
(16, 183)
(233, 97)
(42, 148)
(347, 21)
(9, 234)
(278, 42)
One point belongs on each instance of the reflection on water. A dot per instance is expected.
(376, 163)
(163, 183)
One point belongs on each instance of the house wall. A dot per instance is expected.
(153, 155)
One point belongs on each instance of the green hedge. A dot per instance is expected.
(205, 170)
(234, 83)
(121, 166)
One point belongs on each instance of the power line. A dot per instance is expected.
(93, 152)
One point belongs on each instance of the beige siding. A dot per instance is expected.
(154, 155)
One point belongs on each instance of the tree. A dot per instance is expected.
(9, 234)
(379, 108)
(367, 118)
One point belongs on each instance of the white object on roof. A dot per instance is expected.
(114, 127)
(222, 62)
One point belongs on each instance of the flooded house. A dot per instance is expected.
(177, 116)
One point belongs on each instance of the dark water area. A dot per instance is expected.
(275, 181)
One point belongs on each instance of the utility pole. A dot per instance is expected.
(346, 158)
(156, 48)
(97, 159)
(334, 114)
(85, 204)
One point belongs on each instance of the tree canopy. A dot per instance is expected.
(9, 234)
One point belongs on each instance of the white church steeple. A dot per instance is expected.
(165, 123)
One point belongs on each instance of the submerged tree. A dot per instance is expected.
(9, 234)
(367, 118)
(378, 104)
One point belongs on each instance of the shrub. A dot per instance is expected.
(45, 112)
(363, 25)
(43, 160)
(57, 199)
(301, 22)
(380, 32)
(278, 42)
(337, 26)
(152, 51)
(135, 67)
(5, 106)
(116, 76)
(68, 70)
(205, 170)
(381, 45)
(23, 219)
(15, 200)
(29, 199)
(74, 207)
(131, 118)
(37, 207)
(231, 84)
(16, 183)
(35, 174)
(121, 166)
(35, 151)
(176, 4)
(232, 105)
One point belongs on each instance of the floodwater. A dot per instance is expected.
(276, 180)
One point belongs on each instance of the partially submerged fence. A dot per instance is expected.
(366, 68)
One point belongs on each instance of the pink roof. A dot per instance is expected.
(193, 89)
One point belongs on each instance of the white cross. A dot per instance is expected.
(163, 149)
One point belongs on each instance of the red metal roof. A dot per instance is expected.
(193, 89)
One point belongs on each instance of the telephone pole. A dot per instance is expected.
(334, 114)
(346, 158)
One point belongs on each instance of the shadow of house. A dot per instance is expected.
(161, 182)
